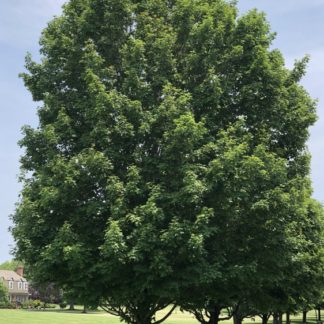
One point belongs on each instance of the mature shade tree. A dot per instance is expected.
(170, 143)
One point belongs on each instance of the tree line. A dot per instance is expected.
(170, 165)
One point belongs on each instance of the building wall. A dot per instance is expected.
(19, 287)
(17, 298)
(18, 290)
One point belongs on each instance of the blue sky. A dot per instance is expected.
(299, 24)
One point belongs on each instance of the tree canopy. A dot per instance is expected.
(170, 164)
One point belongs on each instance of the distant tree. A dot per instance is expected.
(10, 265)
(4, 295)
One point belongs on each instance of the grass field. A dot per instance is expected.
(66, 317)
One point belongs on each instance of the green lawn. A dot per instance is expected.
(65, 317)
(53, 317)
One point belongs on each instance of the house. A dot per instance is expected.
(16, 284)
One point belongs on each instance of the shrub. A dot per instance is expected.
(5, 305)
(28, 304)
(47, 305)
(37, 303)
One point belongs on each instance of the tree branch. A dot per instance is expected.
(166, 316)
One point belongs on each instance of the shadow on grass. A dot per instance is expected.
(310, 320)
(64, 311)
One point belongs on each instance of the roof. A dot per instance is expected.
(11, 275)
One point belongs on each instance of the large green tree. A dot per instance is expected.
(170, 144)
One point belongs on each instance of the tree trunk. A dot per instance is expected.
(142, 319)
(280, 318)
(71, 306)
(265, 318)
(214, 315)
(304, 317)
(237, 319)
(84, 311)
(275, 318)
(319, 314)
(288, 317)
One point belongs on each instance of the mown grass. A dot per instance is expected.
(100, 317)
(54, 317)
